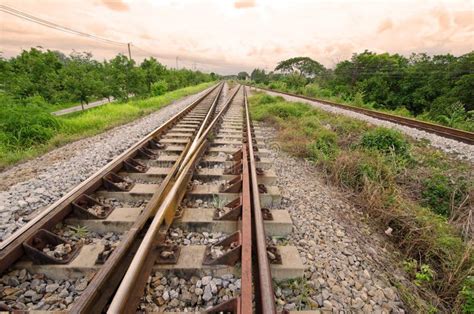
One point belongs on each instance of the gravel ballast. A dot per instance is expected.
(36, 184)
(460, 150)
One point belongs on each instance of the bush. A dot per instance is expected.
(386, 141)
(324, 147)
(467, 294)
(267, 99)
(448, 112)
(439, 192)
(277, 85)
(311, 90)
(286, 110)
(159, 88)
(26, 125)
(358, 100)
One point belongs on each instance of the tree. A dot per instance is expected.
(153, 71)
(303, 66)
(159, 88)
(259, 76)
(242, 75)
(126, 79)
(35, 72)
(104, 86)
(81, 77)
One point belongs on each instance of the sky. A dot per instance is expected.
(228, 36)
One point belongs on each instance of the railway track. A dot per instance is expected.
(177, 222)
(455, 134)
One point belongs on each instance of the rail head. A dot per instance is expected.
(265, 298)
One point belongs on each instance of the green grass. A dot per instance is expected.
(82, 124)
(420, 192)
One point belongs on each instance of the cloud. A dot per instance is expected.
(385, 25)
(115, 5)
(244, 4)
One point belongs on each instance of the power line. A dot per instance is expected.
(55, 26)
(65, 29)
(40, 21)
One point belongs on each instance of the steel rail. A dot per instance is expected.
(246, 228)
(444, 131)
(203, 126)
(11, 249)
(206, 131)
(104, 283)
(131, 287)
(265, 297)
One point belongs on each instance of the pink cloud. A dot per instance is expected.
(115, 5)
(385, 25)
(244, 4)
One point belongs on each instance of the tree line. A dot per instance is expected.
(438, 88)
(58, 78)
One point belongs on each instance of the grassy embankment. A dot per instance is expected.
(27, 131)
(421, 194)
(313, 90)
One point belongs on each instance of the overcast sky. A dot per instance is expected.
(228, 36)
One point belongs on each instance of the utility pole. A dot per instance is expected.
(129, 52)
(177, 67)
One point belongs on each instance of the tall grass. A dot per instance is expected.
(385, 171)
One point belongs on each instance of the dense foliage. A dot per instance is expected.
(439, 88)
(58, 78)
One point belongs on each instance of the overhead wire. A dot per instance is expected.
(31, 18)
(37, 20)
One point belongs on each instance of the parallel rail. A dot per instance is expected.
(119, 284)
(444, 131)
(130, 290)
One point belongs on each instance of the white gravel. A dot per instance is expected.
(51, 176)
(460, 150)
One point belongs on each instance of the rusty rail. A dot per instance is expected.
(246, 229)
(131, 288)
(444, 131)
(265, 297)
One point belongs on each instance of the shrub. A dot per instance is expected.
(312, 90)
(277, 85)
(364, 173)
(386, 141)
(159, 88)
(267, 99)
(324, 147)
(358, 100)
(467, 294)
(286, 110)
(27, 125)
(424, 276)
(440, 193)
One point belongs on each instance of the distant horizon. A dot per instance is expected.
(227, 37)
(223, 74)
